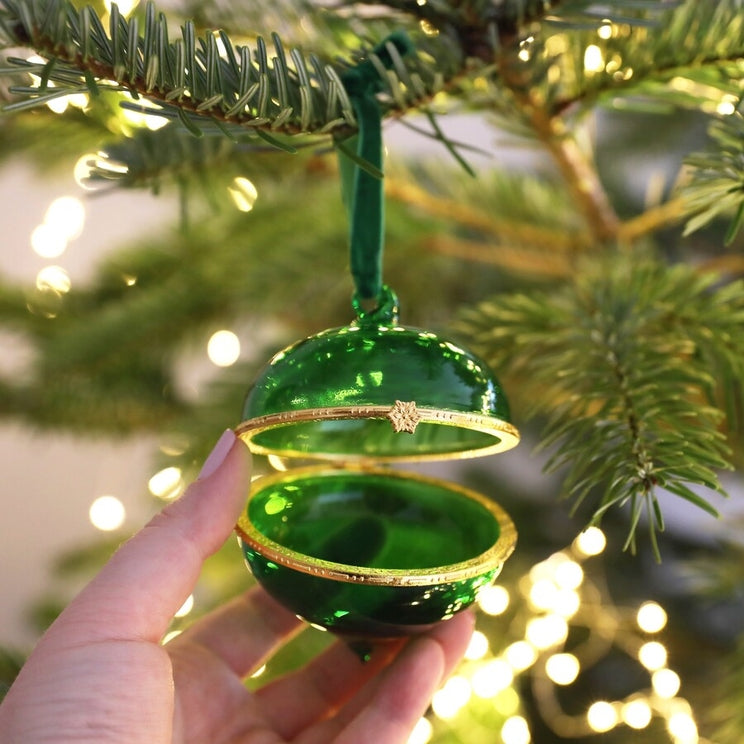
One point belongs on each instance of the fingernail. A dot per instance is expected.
(218, 454)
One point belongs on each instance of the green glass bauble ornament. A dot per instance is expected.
(372, 552)
(359, 549)
(375, 389)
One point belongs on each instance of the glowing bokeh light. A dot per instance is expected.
(515, 731)
(493, 600)
(591, 541)
(223, 348)
(450, 699)
(546, 631)
(107, 513)
(166, 483)
(665, 682)
(422, 732)
(563, 669)
(651, 617)
(491, 678)
(478, 646)
(652, 655)
(520, 655)
(636, 713)
(601, 716)
(54, 278)
(66, 215)
(47, 242)
(243, 193)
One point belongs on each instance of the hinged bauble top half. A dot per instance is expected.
(377, 390)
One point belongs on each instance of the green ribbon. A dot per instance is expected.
(360, 164)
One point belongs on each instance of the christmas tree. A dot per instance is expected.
(574, 217)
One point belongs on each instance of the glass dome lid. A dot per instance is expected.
(376, 390)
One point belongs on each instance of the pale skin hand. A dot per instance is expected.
(100, 674)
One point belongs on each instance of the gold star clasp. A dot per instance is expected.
(404, 416)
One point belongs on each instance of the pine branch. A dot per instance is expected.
(625, 362)
(716, 178)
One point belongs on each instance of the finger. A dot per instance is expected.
(244, 633)
(389, 707)
(136, 594)
(323, 686)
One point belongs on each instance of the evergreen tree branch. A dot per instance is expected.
(626, 362)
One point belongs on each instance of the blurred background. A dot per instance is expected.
(146, 275)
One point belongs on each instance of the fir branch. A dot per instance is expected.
(623, 364)
(715, 187)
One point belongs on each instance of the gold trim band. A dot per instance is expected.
(489, 560)
(505, 434)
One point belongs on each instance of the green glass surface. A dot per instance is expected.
(375, 361)
(336, 521)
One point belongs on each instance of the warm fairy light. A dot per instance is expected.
(166, 483)
(651, 617)
(478, 646)
(223, 348)
(601, 716)
(422, 732)
(515, 731)
(47, 242)
(569, 575)
(66, 215)
(546, 631)
(562, 668)
(591, 541)
(491, 678)
(593, 59)
(636, 713)
(566, 603)
(54, 278)
(186, 607)
(507, 702)
(666, 683)
(605, 31)
(520, 655)
(493, 600)
(652, 655)
(107, 513)
(448, 700)
(725, 108)
(682, 727)
(542, 594)
(243, 193)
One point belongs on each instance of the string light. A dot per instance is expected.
(590, 542)
(492, 678)
(243, 193)
(515, 731)
(665, 682)
(107, 513)
(563, 668)
(478, 646)
(494, 599)
(422, 732)
(166, 483)
(448, 700)
(652, 655)
(636, 713)
(223, 348)
(601, 716)
(651, 617)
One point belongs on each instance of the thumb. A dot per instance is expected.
(138, 591)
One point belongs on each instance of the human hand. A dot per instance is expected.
(100, 674)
